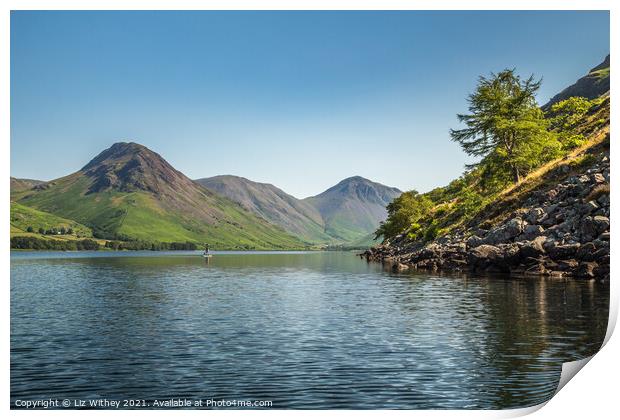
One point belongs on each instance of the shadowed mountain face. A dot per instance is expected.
(129, 191)
(272, 204)
(591, 86)
(354, 207)
(346, 213)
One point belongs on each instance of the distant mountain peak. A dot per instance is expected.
(129, 166)
(364, 189)
(354, 207)
(354, 178)
(117, 151)
(603, 65)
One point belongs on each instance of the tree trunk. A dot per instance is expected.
(516, 176)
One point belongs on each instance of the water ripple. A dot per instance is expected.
(305, 330)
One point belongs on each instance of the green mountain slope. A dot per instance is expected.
(274, 205)
(130, 192)
(353, 208)
(23, 217)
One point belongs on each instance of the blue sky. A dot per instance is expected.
(297, 99)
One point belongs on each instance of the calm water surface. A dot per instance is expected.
(304, 330)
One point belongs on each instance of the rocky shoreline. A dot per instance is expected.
(561, 230)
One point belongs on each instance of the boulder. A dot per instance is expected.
(567, 265)
(586, 252)
(512, 255)
(484, 256)
(562, 252)
(534, 248)
(474, 241)
(603, 200)
(586, 269)
(530, 232)
(398, 267)
(589, 207)
(505, 233)
(593, 226)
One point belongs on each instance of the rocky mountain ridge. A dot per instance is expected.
(590, 86)
(272, 204)
(354, 207)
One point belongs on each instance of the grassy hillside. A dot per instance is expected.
(23, 217)
(138, 215)
(130, 193)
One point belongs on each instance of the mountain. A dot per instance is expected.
(131, 192)
(591, 86)
(21, 184)
(353, 208)
(272, 204)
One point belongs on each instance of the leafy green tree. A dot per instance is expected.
(29, 229)
(42, 231)
(505, 125)
(403, 213)
(568, 113)
(63, 230)
(565, 117)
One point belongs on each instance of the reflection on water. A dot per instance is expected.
(305, 330)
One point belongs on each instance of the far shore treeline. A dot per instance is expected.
(30, 242)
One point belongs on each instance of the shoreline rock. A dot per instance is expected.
(560, 231)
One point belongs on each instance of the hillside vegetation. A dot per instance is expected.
(537, 201)
(31, 222)
(467, 200)
(130, 193)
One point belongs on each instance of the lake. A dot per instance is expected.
(300, 329)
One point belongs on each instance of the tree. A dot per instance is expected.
(403, 213)
(63, 230)
(29, 229)
(565, 117)
(70, 231)
(505, 126)
(42, 231)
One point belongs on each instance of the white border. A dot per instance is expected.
(592, 394)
